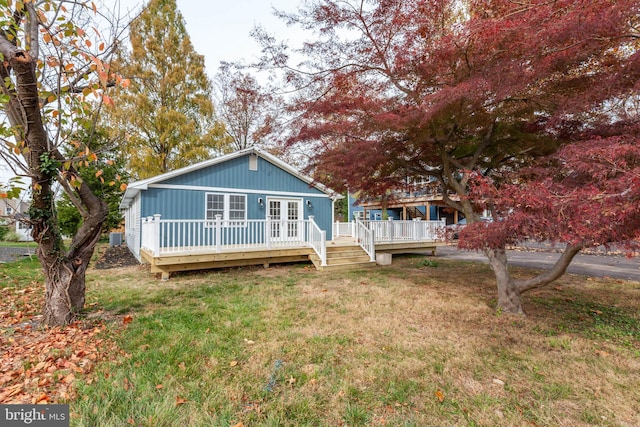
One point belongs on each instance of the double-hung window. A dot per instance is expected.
(231, 207)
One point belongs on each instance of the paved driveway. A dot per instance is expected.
(8, 254)
(602, 265)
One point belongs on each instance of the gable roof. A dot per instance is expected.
(134, 188)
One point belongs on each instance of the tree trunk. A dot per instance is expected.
(65, 275)
(64, 271)
(64, 294)
(508, 293)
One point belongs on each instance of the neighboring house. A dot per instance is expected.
(424, 201)
(227, 197)
(13, 213)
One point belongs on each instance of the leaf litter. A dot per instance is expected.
(41, 364)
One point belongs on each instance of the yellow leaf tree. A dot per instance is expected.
(166, 116)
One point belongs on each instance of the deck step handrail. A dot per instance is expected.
(165, 236)
(318, 240)
(365, 238)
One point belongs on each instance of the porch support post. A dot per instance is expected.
(391, 226)
(218, 233)
(156, 235)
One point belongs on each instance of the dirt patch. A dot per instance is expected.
(115, 257)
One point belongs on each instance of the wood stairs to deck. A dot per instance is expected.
(414, 213)
(343, 258)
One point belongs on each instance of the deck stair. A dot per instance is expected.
(343, 257)
(414, 213)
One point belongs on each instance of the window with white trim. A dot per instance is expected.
(358, 215)
(231, 207)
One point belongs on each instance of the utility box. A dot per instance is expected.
(115, 239)
(383, 259)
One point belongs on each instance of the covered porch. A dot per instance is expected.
(183, 245)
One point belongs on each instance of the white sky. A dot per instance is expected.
(219, 29)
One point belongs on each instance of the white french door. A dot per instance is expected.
(285, 215)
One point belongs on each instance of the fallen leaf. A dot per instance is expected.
(233, 363)
(498, 382)
(69, 379)
(127, 319)
(180, 400)
(440, 396)
(42, 398)
(159, 386)
(238, 425)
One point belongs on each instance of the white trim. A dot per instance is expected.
(237, 191)
(226, 209)
(284, 219)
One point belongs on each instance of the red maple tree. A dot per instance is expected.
(394, 91)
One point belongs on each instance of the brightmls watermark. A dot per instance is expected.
(34, 415)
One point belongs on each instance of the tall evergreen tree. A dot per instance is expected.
(166, 117)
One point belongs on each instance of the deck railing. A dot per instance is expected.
(318, 240)
(167, 236)
(365, 238)
(416, 230)
(394, 230)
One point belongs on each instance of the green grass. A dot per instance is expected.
(397, 346)
(21, 272)
(31, 245)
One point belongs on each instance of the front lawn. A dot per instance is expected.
(412, 344)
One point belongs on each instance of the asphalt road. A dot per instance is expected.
(601, 265)
(8, 254)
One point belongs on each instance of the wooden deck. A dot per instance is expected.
(342, 253)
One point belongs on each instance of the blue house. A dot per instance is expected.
(246, 200)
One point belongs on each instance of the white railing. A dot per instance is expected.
(365, 238)
(161, 237)
(399, 231)
(344, 229)
(318, 240)
(393, 230)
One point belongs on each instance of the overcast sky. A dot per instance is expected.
(219, 29)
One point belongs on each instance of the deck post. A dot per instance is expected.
(372, 247)
(391, 229)
(156, 235)
(417, 229)
(267, 232)
(218, 232)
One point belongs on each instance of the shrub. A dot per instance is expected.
(11, 236)
(3, 231)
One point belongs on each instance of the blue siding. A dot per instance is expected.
(235, 173)
(268, 181)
